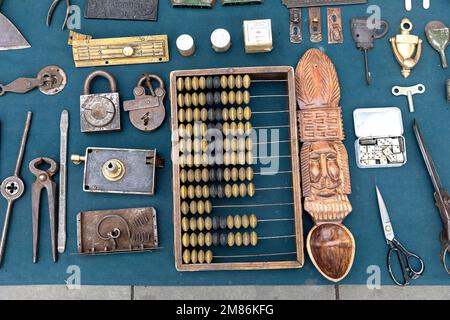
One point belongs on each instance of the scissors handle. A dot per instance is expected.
(404, 258)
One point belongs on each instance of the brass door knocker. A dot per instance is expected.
(407, 48)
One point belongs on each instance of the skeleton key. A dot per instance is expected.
(50, 81)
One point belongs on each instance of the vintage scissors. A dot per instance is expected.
(52, 9)
(441, 197)
(404, 256)
(43, 181)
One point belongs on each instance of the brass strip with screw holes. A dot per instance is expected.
(295, 17)
(118, 51)
(316, 3)
(315, 24)
(334, 23)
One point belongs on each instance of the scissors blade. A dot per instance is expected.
(427, 158)
(384, 215)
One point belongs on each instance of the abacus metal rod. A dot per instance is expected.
(256, 255)
(270, 112)
(269, 173)
(272, 188)
(280, 204)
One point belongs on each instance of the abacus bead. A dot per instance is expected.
(202, 99)
(199, 191)
(193, 240)
(230, 222)
(239, 97)
(241, 158)
(251, 189)
(208, 206)
(249, 157)
(201, 256)
(228, 192)
(185, 240)
(247, 113)
(232, 113)
(202, 83)
(205, 144)
(180, 84)
(231, 97)
(238, 81)
(191, 192)
(193, 207)
(227, 174)
(242, 190)
(197, 175)
(213, 191)
(216, 82)
(183, 176)
(217, 98)
(189, 160)
(209, 99)
(241, 144)
(197, 159)
(194, 256)
(249, 144)
(209, 82)
(234, 174)
(237, 221)
(189, 130)
(208, 256)
(205, 191)
(253, 238)
(240, 128)
(215, 223)
(180, 100)
(246, 97)
(200, 207)
(234, 144)
(183, 192)
(233, 128)
(208, 223)
(195, 101)
(224, 98)
(245, 221)
(225, 114)
(219, 174)
(253, 221)
(193, 224)
(187, 83)
(205, 175)
(187, 100)
(184, 208)
(249, 174)
(235, 189)
(226, 128)
(239, 113)
(181, 130)
(215, 239)
(230, 239)
(185, 224)
(211, 115)
(181, 115)
(186, 256)
(190, 176)
(231, 82)
(212, 175)
(196, 144)
(223, 82)
(195, 83)
(220, 191)
(223, 239)
(223, 223)
(234, 158)
(246, 81)
(245, 239)
(218, 114)
(208, 239)
(238, 239)
(203, 114)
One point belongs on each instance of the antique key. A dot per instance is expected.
(438, 36)
(364, 33)
(409, 92)
(50, 81)
(147, 112)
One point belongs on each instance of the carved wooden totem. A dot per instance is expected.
(325, 172)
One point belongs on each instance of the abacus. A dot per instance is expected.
(231, 210)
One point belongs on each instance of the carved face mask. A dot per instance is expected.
(324, 169)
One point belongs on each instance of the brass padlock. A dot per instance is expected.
(147, 112)
(100, 111)
(407, 48)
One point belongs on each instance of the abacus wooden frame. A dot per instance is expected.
(256, 73)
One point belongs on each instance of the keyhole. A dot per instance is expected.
(12, 188)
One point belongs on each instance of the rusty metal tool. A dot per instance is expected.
(64, 128)
(441, 197)
(52, 9)
(12, 188)
(10, 36)
(43, 181)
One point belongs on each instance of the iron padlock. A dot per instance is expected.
(147, 112)
(100, 111)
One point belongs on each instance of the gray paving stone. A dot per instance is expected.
(235, 293)
(59, 292)
(394, 292)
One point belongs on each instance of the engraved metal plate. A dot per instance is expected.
(117, 51)
(194, 3)
(122, 9)
(116, 231)
(315, 3)
(138, 166)
(232, 2)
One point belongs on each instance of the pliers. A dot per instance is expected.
(43, 180)
(52, 10)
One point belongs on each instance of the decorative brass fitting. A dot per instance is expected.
(113, 170)
(407, 48)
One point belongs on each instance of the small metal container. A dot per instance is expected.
(258, 36)
(380, 142)
(186, 45)
(221, 40)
